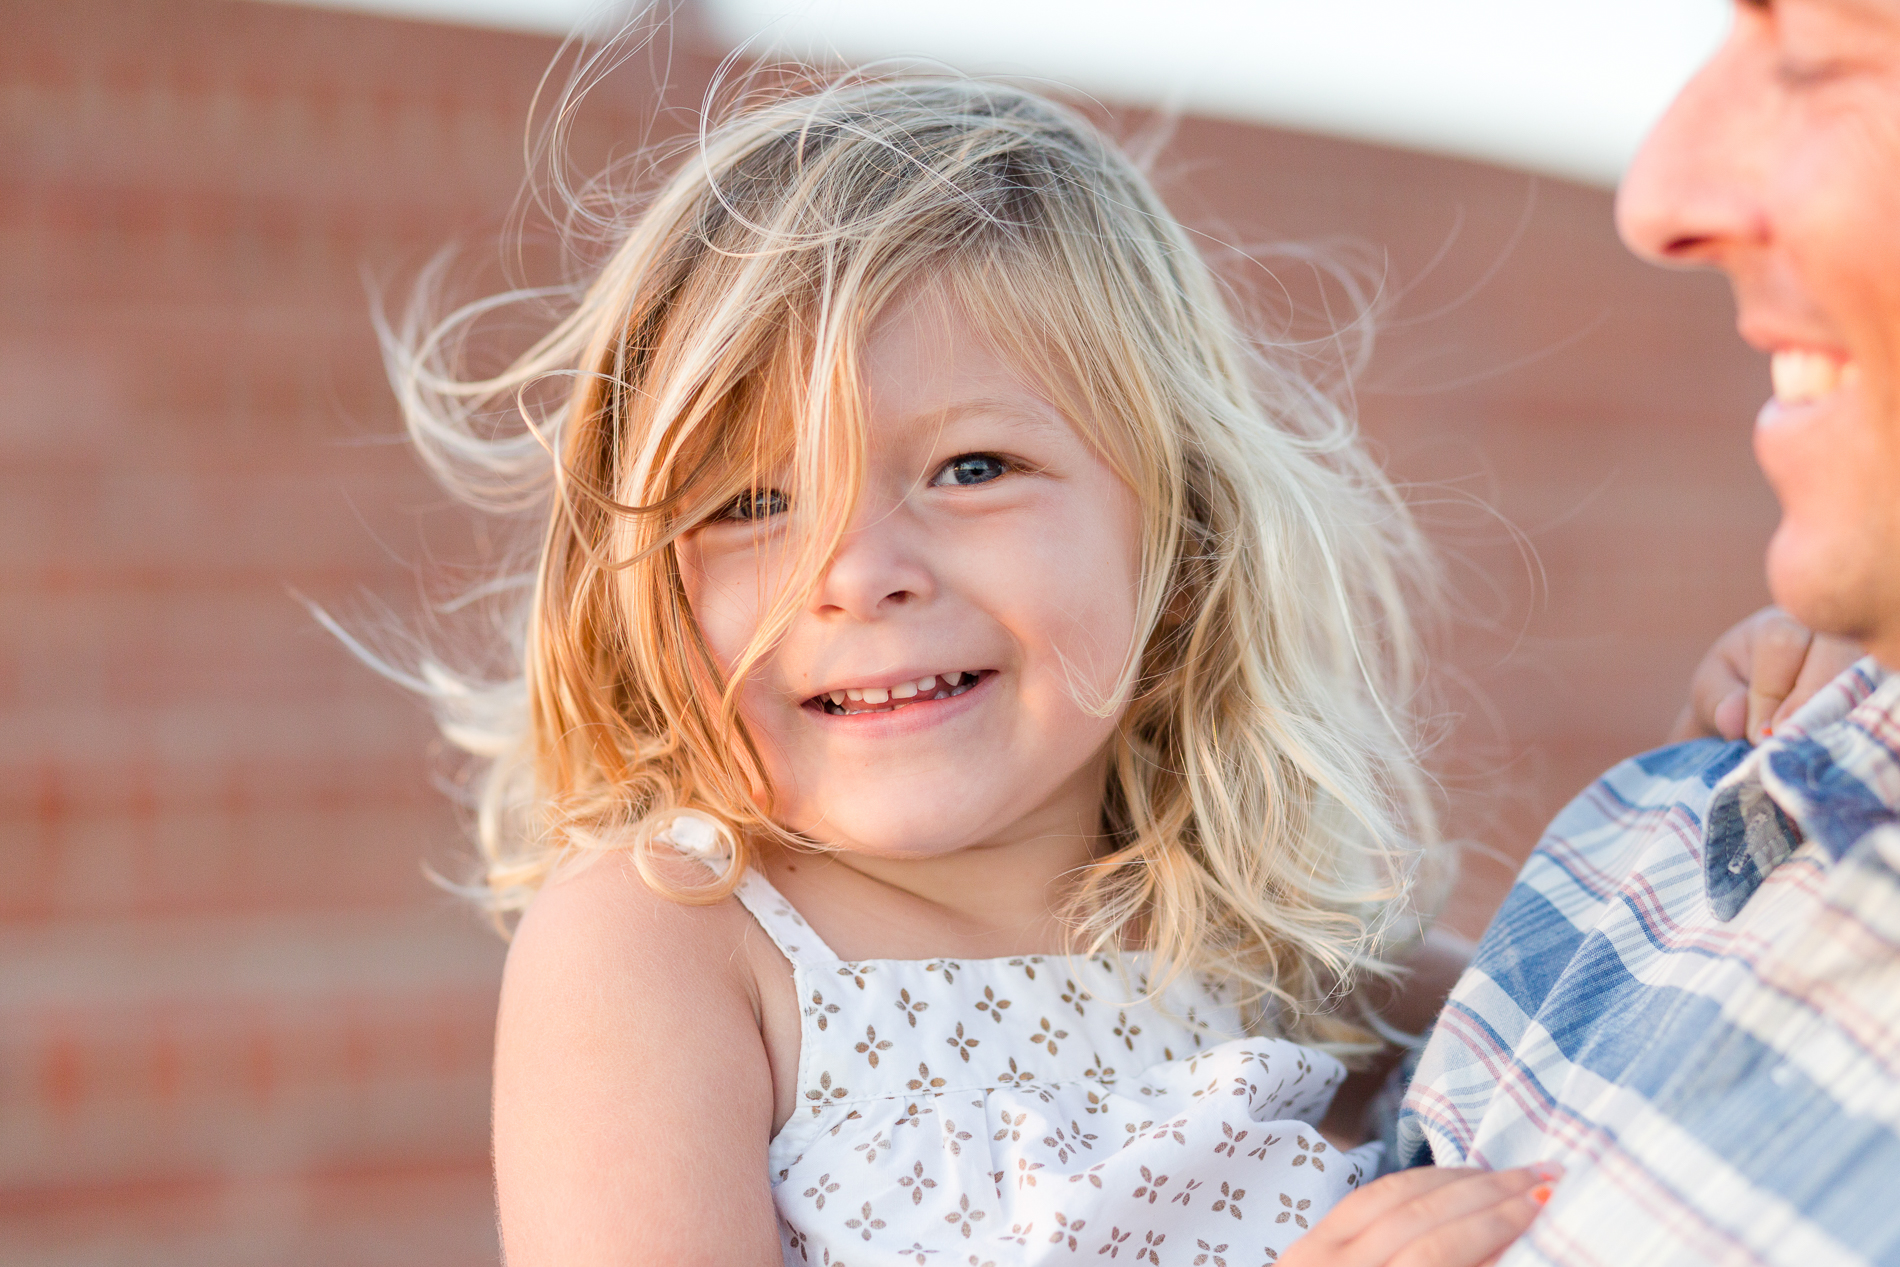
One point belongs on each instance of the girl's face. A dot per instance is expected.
(924, 699)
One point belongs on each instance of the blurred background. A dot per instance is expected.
(238, 1025)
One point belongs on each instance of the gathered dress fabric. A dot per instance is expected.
(1039, 1109)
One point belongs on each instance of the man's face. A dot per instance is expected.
(1780, 165)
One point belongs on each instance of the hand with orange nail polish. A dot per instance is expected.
(1428, 1218)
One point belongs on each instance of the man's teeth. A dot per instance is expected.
(1801, 376)
(936, 686)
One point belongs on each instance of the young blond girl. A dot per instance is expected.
(962, 758)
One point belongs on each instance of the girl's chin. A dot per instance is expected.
(911, 837)
(900, 841)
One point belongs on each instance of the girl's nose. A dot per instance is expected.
(1693, 195)
(881, 564)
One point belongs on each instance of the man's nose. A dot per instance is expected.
(1693, 192)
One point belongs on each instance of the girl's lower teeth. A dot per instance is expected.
(839, 710)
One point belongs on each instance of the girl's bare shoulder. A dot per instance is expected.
(605, 917)
(630, 1066)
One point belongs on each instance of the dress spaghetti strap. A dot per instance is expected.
(783, 924)
(697, 838)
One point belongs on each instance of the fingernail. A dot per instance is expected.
(1540, 1194)
(1548, 1170)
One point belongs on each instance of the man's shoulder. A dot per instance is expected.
(1614, 886)
(1640, 825)
(1659, 796)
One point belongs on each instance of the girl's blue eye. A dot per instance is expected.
(971, 468)
(756, 503)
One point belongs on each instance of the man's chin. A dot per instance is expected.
(1829, 592)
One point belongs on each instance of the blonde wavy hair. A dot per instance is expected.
(1266, 818)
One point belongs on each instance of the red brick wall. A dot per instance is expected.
(237, 1025)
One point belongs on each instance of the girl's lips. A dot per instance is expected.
(907, 715)
(930, 688)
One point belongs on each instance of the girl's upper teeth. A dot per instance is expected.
(901, 691)
(1801, 376)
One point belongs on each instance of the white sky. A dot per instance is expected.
(1558, 86)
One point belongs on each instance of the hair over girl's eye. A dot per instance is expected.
(754, 503)
(971, 468)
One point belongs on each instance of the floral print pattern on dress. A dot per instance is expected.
(1032, 1110)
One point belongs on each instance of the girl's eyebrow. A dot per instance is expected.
(1033, 414)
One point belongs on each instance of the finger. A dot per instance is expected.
(1722, 671)
(1722, 674)
(1359, 1211)
(1731, 715)
(1474, 1239)
(1780, 647)
(1828, 658)
(1465, 1197)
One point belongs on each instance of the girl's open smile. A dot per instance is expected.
(853, 701)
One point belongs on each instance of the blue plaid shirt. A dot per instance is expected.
(1691, 999)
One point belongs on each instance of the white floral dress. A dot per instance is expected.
(1037, 1110)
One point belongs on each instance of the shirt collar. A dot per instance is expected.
(1831, 773)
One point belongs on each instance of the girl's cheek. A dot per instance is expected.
(1096, 621)
(722, 626)
(717, 602)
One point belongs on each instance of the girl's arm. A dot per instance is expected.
(633, 1092)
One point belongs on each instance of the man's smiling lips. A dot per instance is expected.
(1804, 379)
(1807, 366)
(858, 700)
(1804, 375)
